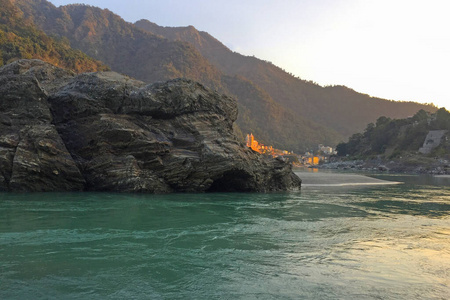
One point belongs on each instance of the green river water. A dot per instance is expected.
(340, 237)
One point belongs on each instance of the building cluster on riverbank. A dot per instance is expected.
(322, 154)
(261, 148)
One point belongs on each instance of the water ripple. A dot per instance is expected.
(376, 242)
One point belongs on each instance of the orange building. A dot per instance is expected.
(313, 160)
(252, 143)
(261, 148)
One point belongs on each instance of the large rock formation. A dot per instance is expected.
(107, 132)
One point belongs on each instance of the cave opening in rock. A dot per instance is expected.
(233, 181)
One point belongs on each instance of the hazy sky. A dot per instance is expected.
(394, 49)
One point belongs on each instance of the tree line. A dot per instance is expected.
(391, 138)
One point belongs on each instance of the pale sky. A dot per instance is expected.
(393, 49)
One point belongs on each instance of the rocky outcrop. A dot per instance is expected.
(107, 132)
(33, 157)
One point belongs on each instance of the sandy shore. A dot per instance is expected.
(339, 179)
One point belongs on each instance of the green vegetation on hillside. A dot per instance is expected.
(122, 46)
(392, 138)
(20, 39)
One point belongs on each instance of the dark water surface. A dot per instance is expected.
(336, 241)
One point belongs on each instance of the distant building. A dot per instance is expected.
(249, 139)
(252, 143)
(261, 148)
(326, 150)
(312, 160)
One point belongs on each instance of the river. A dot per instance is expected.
(343, 236)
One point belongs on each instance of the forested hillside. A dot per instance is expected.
(121, 45)
(20, 39)
(393, 138)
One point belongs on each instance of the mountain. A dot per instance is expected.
(337, 107)
(149, 57)
(19, 38)
(280, 109)
(121, 45)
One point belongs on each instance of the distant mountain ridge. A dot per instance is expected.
(333, 106)
(107, 37)
(280, 109)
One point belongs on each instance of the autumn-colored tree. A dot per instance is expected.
(20, 39)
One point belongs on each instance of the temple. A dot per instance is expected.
(322, 154)
(261, 148)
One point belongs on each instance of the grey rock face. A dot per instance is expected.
(33, 156)
(107, 132)
(433, 140)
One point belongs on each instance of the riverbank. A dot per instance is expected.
(408, 165)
